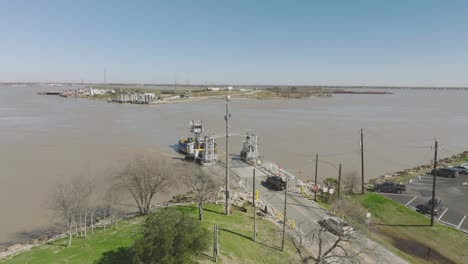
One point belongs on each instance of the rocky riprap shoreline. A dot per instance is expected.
(419, 169)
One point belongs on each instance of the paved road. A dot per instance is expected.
(304, 212)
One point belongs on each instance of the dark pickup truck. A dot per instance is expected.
(389, 187)
(276, 183)
(427, 207)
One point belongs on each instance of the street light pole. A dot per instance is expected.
(226, 117)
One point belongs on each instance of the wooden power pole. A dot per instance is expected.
(339, 180)
(284, 213)
(215, 243)
(315, 181)
(254, 197)
(362, 162)
(434, 174)
(226, 117)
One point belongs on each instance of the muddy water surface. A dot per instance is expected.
(45, 139)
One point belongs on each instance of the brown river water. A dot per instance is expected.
(46, 139)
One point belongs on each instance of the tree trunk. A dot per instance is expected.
(70, 233)
(92, 221)
(76, 228)
(104, 220)
(200, 211)
(81, 224)
(85, 222)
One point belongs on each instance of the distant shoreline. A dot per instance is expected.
(145, 95)
(262, 86)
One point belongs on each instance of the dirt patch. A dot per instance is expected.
(418, 250)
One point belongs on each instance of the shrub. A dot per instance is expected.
(169, 236)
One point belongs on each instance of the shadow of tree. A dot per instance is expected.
(58, 243)
(212, 211)
(120, 255)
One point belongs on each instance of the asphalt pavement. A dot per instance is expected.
(305, 213)
(452, 191)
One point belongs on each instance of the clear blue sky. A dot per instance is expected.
(413, 43)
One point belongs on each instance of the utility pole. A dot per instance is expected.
(339, 180)
(215, 243)
(284, 215)
(434, 174)
(315, 181)
(362, 162)
(226, 117)
(254, 197)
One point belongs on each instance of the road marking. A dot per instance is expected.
(411, 201)
(440, 217)
(458, 227)
(431, 181)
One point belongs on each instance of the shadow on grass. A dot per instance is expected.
(204, 255)
(212, 211)
(188, 208)
(249, 238)
(121, 255)
(59, 243)
(419, 225)
(235, 233)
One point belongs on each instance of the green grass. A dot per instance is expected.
(235, 237)
(83, 250)
(401, 223)
(235, 232)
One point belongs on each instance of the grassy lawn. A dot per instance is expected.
(404, 231)
(83, 250)
(235, 237)
(235, 232)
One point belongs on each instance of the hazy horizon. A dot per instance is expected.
(362, 43)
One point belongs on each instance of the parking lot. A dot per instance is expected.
(452, 192)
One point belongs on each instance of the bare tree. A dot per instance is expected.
(144, 178)
(94, 203)
(333, 241)
(64, 203)
(81, 190)
(203, 187)
(351, 183)
(219, 182)
(112, 201)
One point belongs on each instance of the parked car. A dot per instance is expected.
(389, 187)
(446, 172)
(427, 207)
(276, 183)
(336, 225)
(461, 169)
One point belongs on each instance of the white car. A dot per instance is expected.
(337, 226)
